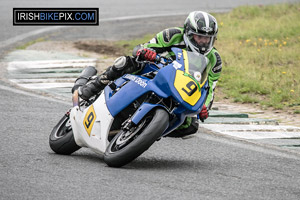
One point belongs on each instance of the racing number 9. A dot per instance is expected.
(89, 120)
(187, 88)
(191, 88)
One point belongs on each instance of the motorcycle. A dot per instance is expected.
(134, 111)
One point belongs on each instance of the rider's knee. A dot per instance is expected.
(121, 66)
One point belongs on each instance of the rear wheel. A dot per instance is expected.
(61, 139)
(128, 145)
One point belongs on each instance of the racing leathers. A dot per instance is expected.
(173, 37)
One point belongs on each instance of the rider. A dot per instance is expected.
(198, 35)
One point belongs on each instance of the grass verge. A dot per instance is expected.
(259, 46)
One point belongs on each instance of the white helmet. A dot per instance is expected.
(200, 24)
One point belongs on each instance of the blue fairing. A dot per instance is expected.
(143, 110)
(162, 85)
(135, 88)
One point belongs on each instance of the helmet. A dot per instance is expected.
(200, 32)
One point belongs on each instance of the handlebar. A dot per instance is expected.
(158, 59)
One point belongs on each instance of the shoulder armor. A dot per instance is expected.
(218, 66)
(168, 34)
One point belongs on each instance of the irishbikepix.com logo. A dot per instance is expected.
(56, 16)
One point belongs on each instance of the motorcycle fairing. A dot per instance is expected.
(92, 131)
(163, 85)
(143, 110)
(135, 88)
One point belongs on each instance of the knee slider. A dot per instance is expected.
(120, 63)
(118, 69)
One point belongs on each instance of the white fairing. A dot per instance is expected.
(97, 139)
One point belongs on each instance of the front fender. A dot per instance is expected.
(143, 110)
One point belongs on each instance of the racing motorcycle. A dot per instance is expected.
(134, 111)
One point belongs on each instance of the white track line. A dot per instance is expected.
(254, 131)
(51, 82)
(42, 64)
(42, 86)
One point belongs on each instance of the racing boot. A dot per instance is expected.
(84, 77)
(93, 87)
(189, 126)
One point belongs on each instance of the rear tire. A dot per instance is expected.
(126, 146)
(61, 139)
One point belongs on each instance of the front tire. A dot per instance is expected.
(128, 145)
(61, 139)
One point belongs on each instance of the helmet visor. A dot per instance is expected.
(200, 40)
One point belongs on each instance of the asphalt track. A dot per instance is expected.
(203, 167)
(207, 166)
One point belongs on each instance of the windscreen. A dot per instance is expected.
(198, 66)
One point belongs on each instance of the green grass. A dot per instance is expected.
(260, 48)
(129, 45)
(24, 46)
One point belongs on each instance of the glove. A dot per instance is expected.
(203, 114)
(146, 54)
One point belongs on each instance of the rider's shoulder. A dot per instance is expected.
(170, 34)
(213, 50)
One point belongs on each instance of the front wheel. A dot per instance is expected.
(128, 145)
(61, 139)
